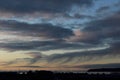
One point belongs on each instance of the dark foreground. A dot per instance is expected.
(47, 75)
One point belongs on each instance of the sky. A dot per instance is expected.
(59, 35)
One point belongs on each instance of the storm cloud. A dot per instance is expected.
(26, 6)
(98, 31)
(41, 30)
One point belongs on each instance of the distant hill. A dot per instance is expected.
(105, 70)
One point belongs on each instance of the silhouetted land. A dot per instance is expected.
(105, 70)
(48, 75)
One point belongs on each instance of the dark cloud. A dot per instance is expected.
(36, 56)
(42, 45)
(23, 6)
(18, 46)
(29, 66)
(103, 9)
(47, 31)
(102, 29)
(93, 66)
(78, 16)
(106, 23)
(39, 30)
(80, 56)
(90, 55)
(83, 16)
(115, 48)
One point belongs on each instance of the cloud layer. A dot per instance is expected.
(69, 34)
(26, 6)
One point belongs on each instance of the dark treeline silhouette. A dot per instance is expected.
(105, 70)
(48, 75)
